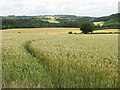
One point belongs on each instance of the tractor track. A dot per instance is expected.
(30, 50)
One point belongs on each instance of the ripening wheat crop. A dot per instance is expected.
(59, 60)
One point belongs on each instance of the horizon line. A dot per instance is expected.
(59, 14)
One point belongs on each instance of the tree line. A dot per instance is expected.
(35, 23)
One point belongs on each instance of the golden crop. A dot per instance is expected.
(60, 60)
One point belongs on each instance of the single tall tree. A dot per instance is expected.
(87, 27)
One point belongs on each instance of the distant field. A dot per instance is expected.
(106, 30)
(100, 23)
(42, 30)
(52, 21)
(53, 30)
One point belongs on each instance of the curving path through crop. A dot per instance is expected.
(30, 50)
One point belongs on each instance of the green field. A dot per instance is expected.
(40, 60)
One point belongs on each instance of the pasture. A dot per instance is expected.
(34, 59)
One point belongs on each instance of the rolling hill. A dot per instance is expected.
(43, 21)
(108, 19)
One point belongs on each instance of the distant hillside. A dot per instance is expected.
(75, 18)
(66, 16)
(52, 18)
(42, 21)
(108, 19)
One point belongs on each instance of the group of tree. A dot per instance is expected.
(23, 23)
(69, 24)
(111, 26)
(35, 23)
(110, 19)
(85, 25)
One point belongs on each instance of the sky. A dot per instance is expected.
(94, 8)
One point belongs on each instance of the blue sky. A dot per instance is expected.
(51, 7)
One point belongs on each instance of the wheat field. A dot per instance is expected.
(54, 30)
(42, 30)
(57, 60)
(107, 30)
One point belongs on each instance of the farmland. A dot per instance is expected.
(99, 23)
(47, 58)
(43, 30)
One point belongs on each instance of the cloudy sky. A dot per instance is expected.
(51, 7)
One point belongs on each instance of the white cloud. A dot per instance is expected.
(75, 7)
